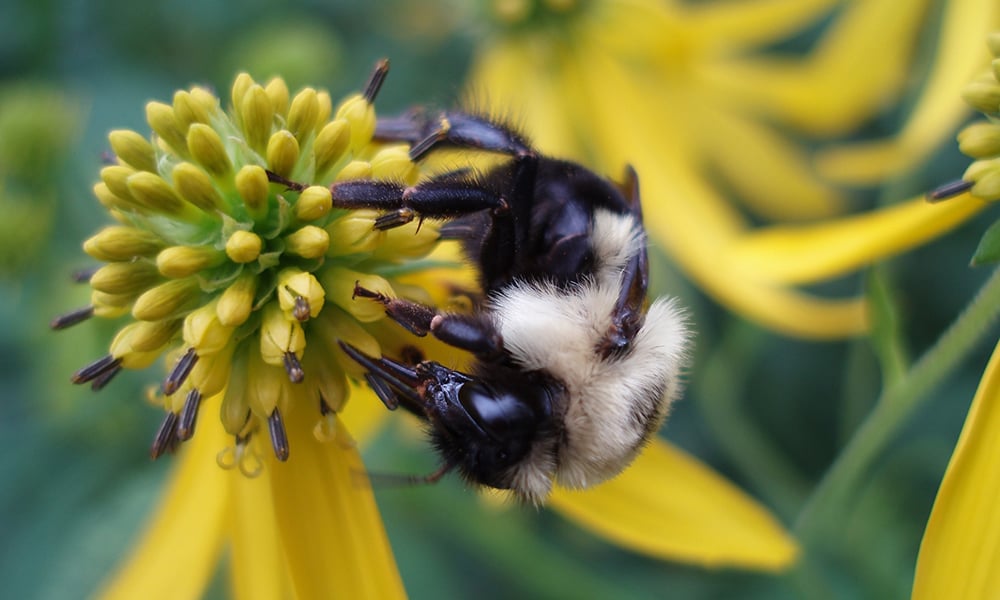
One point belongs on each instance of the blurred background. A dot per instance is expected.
(75, 480)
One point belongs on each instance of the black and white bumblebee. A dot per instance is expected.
(573, 373)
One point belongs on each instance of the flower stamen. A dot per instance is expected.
(72, 318)
(279, 437)
(293, 367)
(188, 416)
(96, 369)
(166, 436)
(180, 371)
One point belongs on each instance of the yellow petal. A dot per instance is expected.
(741, 24)
(961, 546)
(256, 565)
(960, 54)
(178, 553)
(860, 60)
(808, 253)
(331, 533)
(671, 506)
(365, 414)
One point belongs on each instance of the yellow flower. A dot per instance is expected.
(687, 95)
(234, 277)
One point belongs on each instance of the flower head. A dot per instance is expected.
(236, 275)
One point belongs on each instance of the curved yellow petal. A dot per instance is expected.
(364, 415)
(775, 178)
(330, 530)
(960, 55)
(808, 253)
(178, 553)
(961, 547)
(669, 505)
(861, 59)
(737, 25)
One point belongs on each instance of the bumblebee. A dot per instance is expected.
(574, 370)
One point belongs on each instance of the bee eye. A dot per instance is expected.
(500, 414)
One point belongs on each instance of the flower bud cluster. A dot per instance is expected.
(243, 282)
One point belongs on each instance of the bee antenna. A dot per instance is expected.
(400, 480)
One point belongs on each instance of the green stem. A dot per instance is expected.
(897, 403)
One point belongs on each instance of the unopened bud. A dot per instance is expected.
(163, 121)
(204, 332)
(208, 150)
(308, 242)
(356, 169)
(167, 300)
(124, 277)
(196, 187)
(253, 187)
(314, 203)
(122, 243)
(277, 91)
(302, 114)
(133, 149)
(257, 116)
(183, 261)
(282, 152)
(330, 145)
(236, 302)
(243, 246)
(339, 284)
(361, 115)
(393, 163)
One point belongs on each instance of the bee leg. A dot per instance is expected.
(436, 199)
(627, 316)
(427, 131)
(471, 333)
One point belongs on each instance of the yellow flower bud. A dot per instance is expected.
(122, 243)
(112, 202)
(361, 115)
(241, 84)
(330, 145)
(122, 348)
(257, 116)
(133, 149)
(265, 386)
(204, 332)
(410, 241)
(354, 232)
(983, 95)
(206, 100)
(277, 91)
(167, 300)
(987, 187)
(236, 303)
(314, 203)
(150, 190)
(124, 277)
(211, 372)
(303, 112)
(339, 285)
(196, 187)
(279, 335)
(188, 110)
(308, 242)
(115, 177)
(153, 335)
(235, 406)
(183, 261)
(208, 150)
(163, 121)
(110, 306)
(282, 152)
(336, 324)
(394, 163)
(325, 108)
(253, 187)
(294, 284)
(980, 140)
(356, 169)
(243, 246)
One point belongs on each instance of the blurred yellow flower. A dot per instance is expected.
(688, 94)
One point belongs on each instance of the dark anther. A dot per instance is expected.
(301, 310)
(180, 372)
(185, 424)
(279, 439)
(72, 318)
(948, 190)
(96, 369)
(376, 80)
(294, 368)
(83, 275)
(165, 436)
(288, 183)
(98, 383)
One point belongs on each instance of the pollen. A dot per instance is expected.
(233, 268)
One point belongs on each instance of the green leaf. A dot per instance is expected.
(988, 251)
